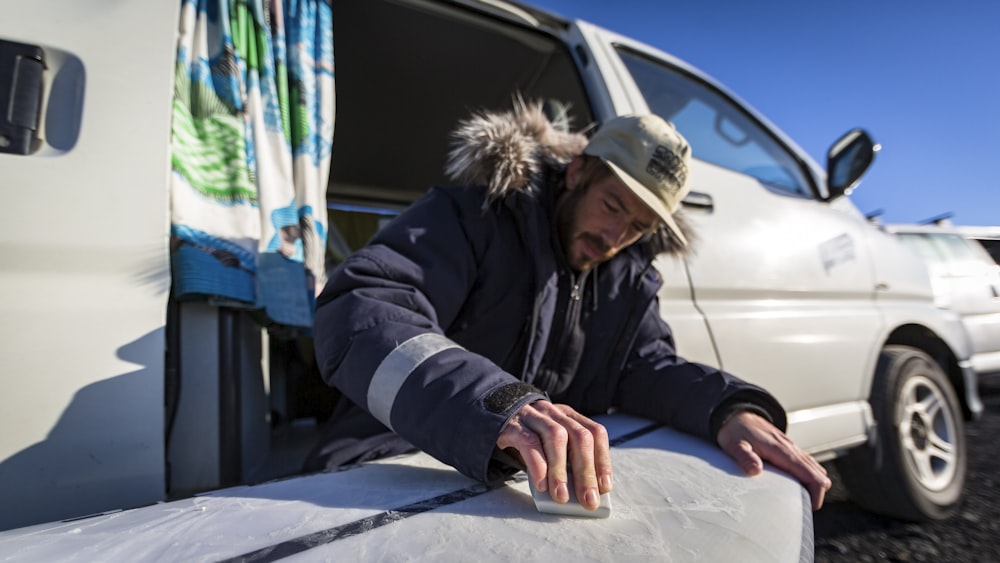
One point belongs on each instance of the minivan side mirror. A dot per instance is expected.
(847, 160)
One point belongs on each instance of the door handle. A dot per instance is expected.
(699, 200)
(21, 82)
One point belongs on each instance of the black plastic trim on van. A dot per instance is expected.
(22, 69)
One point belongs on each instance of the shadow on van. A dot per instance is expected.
(105, 452)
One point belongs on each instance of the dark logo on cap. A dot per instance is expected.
(666, 166)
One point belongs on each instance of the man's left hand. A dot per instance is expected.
(750, 439)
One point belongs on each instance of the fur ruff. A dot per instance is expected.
(516, 149)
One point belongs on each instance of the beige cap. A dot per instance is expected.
(650, 157)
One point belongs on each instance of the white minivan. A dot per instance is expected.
(118, 395)
(965, 279)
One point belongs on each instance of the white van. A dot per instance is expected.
(117, 395)
(965, 279)
(988, 237)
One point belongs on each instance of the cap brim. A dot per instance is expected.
(647, 197)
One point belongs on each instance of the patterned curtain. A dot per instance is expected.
(253, 117)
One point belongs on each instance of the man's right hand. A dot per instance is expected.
(542, 433)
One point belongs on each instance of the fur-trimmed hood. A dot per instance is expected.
(516, 150)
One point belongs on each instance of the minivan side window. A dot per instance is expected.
(720, 132)
(953, 252)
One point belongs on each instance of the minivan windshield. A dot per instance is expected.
(718, 130)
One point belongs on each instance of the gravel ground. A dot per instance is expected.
(845, 533)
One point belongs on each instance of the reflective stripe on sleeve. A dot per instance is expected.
(396, 367)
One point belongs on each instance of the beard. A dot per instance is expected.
(571, 238)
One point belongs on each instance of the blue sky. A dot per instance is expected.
(922, 77)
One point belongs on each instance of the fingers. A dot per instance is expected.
(808, 471)
(813, 476)
(746, 458)
(817, 492)
(751, 440)
(528, 446)
(551, 438)
(590, 457)
(785, 455)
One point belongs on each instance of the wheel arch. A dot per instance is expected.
(959, 372)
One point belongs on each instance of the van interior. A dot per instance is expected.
(406, 72)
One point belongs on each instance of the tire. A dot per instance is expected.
(915, 467)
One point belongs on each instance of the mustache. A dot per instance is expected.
(597, 242)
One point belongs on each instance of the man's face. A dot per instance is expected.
(597, 220)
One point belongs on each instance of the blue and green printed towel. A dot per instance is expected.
(253, 118)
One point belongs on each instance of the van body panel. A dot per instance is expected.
(83, 241)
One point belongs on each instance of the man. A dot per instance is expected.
(492, 320)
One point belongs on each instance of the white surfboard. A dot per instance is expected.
(675, 498)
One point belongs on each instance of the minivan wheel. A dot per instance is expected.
(915, 466)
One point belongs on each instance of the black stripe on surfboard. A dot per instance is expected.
(323, 537)
(635, 434)
(316, 539)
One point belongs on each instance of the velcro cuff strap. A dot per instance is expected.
(504, 398)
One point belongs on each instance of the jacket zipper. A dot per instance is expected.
(570, 318)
